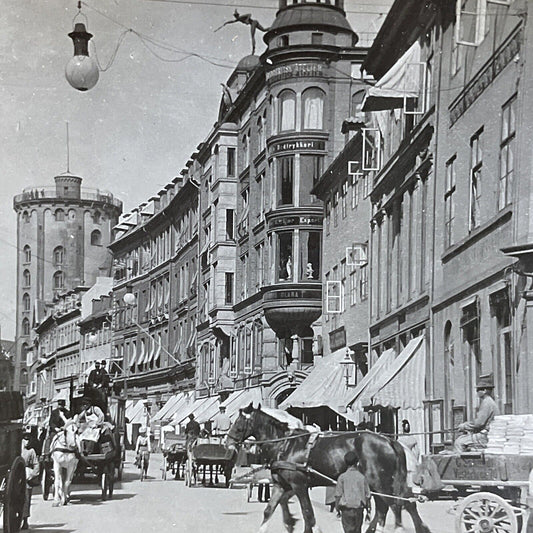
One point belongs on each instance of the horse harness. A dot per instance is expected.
(62, 449)
(304, 468)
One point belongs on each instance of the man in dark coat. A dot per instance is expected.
(192, 430)
(58, 416)
(95, 377)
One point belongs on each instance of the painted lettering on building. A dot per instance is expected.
(298, 70)
(298, 145)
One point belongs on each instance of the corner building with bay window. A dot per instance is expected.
(260, 228)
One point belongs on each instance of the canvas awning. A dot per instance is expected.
(162, 413)
(197, 408)
(403, 386)
(325, 386)
(235, 401)
(136, 414)
(400, 82)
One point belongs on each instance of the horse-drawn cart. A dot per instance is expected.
(174, 456)
(12, 467)
(209, 455)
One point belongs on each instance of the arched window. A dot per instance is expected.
(59, 254)
(287, 110)
(96, 238)
(313, 109)
(25, 216)
(24, 377)
(26, 302)
(59, 215)
(59, 280)
(25, 327)
(246, 151)
(26, 278)
(97, 217)
(27, 254)
(261, 133)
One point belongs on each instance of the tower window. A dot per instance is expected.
(26, 278)
(283, 40)
(59, 280)
(316, 38)
(27, 254)
(96, 238)
(59, 252)
(25, 327)
(25, 216)
(26, 302)
(97, 217)
(59, 215)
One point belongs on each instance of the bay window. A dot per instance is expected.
(313, 109)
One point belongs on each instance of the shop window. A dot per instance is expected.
(26, 302)
(285, 264)
(313, 109)
(310, 244)
(96, 238)
(472, 349)
(286, 180)
(287, 110)
(26, 278)
(307, 351)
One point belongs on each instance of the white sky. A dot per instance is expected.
(134, 131)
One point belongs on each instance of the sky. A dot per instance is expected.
(154, 103)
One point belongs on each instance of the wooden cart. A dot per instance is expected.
(209, 457)
(12, 467)
(174, 456)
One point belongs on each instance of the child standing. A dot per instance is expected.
(352, 495)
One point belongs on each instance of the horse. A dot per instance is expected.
(300, 459)
(64, 450)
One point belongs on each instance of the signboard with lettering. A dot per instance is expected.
(337, 339)
(294, 294)
(291, 220)
(310, 144)
(297, 70)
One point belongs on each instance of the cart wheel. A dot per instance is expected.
(15, 492)
(486, 513)
(164, 469)
(104, 484)
(46, 482)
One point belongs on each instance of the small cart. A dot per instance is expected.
(209, 455)
(12, 467)
(174, 456)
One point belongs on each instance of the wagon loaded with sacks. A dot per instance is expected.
(12, 467)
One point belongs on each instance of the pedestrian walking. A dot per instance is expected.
(32, 475)
(352, 495)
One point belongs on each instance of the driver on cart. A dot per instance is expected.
(475, 432)
(56, 422)
(93, 418)
(221, 423)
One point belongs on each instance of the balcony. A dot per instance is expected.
(38, 194)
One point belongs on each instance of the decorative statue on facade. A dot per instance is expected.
(246, 19)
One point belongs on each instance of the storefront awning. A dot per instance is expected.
(402, 81)
(325, 386)
(197, 408)
(403, 386)
(162, 413)
(136, 414)
(369, 380)
(235, 401)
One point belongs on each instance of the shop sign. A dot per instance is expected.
(294, 294)
(291, 220)
(298, 145)
(337, 339)
(297, 70)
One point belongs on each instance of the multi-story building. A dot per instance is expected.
(62, 238)
(260, 298)
(155, 265)
(7, 367)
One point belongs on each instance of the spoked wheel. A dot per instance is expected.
(164, 469)
(105, 481)
(485, 513)
(14, 495)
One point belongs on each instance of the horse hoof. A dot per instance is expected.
(55, 504)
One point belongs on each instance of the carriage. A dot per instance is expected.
(12, 467)
(174, 456)
(493, 491)
(209, 456)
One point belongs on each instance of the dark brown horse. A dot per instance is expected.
(381, 460)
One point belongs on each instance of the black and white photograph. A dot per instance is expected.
(266, 266)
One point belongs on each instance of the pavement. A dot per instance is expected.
(159, 506)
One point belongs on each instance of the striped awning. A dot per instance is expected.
(199, 408)
(163, 412)
(403, 385)
(240, 399)
(136, 414)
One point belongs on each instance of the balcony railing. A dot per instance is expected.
(49, 193)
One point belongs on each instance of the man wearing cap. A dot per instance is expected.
(58, 416)
(221, 422)
(192, 430)
(104, 377)
(95, 376)
(352, 495)
(475, 432)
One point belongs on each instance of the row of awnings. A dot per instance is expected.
(392, 381)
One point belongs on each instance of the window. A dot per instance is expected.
(287, 110)
(27, 254)
(246, 151)
(285, 266)
(25, 327)
(344, 194)
(333, 297)
(261, 134)
(335, 202)
(25, 216)
(259, 253)
(507, 153)
(58, 255)
(285, 180)
(26, 278)
(230, 233)
(476, 163)
(471, 22)
(230, 165)
(310, 243)
(244, 269)
(458, 56)
(313, 109)
(353, 287)
(228, 298)
(363, 282)
(58, 280)
(97, 217)
(449, 205)
(316, 38)
(262, 199)
(59, 215)
(26, 303)
(311, 168)
(283, 40)
(96, 238)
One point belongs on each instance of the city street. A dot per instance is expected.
(157, 505)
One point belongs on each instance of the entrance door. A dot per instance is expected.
(506, 370)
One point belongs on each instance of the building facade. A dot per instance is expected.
(7, 364)
(62, 238)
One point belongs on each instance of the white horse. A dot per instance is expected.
(64, 449)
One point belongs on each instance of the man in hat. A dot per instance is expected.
(104, 381)
(58, 417)
(221, 422)
(31, 462)
(192, 431)
(475, 432)
(90, 419)
(95, 376)
(352, 495)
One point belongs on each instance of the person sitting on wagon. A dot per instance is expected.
(221, 423)
(192, 431)
(93, 418)
(142, 447)
(475, 432)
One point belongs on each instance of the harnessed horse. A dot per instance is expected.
(300, 459)
(64, 450)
